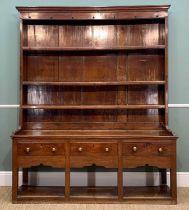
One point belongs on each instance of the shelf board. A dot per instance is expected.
(154, 194)
(40, 191)
(150, 192)
(152, 47)
(111, 83)
(93, 192)
(93, 106)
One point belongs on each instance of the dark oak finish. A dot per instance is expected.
(147, 149)
(62, 49)
(43, 149)
(93, 107)
(121, 83)
(94, 92)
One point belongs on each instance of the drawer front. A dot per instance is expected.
(147, 148)
(84, 149)
(41, 149)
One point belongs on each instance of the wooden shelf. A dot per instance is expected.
(40, 191)
(51, 49)
(150, 192)
(93, 106)
(153, 132)
(93, 192)
(95, 83)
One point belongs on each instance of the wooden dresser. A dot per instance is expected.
(94, 92)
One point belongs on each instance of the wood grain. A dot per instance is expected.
(94, 92)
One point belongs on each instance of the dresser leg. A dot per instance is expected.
(25, 176)
(120, 184)
(14, 183)
(15, 171)
(173, 181)
(173, 175)
(67, 173)
(67, 183)
(163, 176)
(120, 172)
(91, 176)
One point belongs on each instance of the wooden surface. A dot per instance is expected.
(93, 13)
(94, 92)
(96, 195)
(118, 83)
(127, 134)
(148, 192)
(41, 149)
(96, 48)
(93, 106)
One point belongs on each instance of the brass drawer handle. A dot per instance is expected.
(53, 149)
(28, 149)
(160, 150)
(134, 149)
(107, 149)
(80, 149)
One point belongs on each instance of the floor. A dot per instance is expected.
(5, 204)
